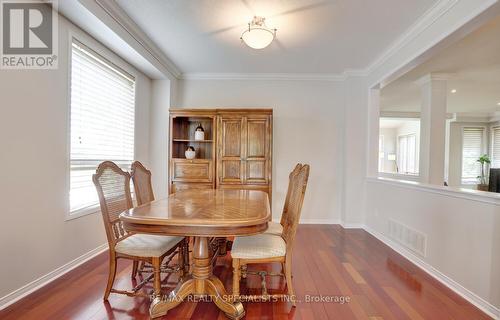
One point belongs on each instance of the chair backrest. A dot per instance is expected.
(113, 187)
(142, 183)
(292, 174)
(296, 199)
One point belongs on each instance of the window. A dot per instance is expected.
(102, 121)
(495, 147)
(407, 154)
(472, 149)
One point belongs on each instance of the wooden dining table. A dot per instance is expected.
(201, 214)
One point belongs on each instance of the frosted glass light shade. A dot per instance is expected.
(258, 38)
(258, 35)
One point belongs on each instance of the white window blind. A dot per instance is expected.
(472, 149)
(407, 154)
(495, 147)
(102, 121)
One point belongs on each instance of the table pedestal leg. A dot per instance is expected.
(201, 282)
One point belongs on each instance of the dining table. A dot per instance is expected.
(202, 215)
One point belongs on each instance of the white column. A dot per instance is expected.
(433, 128)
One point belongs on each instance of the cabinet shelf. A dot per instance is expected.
(192, 160)
(190, 140)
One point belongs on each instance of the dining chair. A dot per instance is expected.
(142, 183)
(143, 188)
(275, 227)
(113, 187)
(269, 248)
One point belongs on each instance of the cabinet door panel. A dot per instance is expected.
(257, 150)
(230, 165)
(256, 171)
(231, 137)
(256, 143)
(231, 171)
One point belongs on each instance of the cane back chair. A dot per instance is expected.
(275, 227)
(143, 188)
(113, 187)
(269, 248)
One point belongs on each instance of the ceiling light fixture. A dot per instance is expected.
(258, 35)
(454, 91)
(498, 104)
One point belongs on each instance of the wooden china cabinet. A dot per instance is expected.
(236, 152)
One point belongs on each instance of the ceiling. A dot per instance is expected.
(473, 65)
(386, 123)
(314, 36)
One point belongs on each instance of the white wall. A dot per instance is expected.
(463, 233)
(308, 118)
(34, 237)
(161, 100)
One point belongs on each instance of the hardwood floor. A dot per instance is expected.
(329, 261)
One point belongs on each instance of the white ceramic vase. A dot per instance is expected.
(190, 154)
(199, 135)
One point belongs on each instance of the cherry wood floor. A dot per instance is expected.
(330, 263)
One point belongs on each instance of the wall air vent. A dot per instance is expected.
(414, 240)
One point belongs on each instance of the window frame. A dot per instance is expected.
(491, 146)
(484, 149)
(110, 57)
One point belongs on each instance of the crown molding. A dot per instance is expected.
(408, 115)
(264, 76)
(429, 18)
(433, 77)
(423, 23)
(116, 13)
(334, 77)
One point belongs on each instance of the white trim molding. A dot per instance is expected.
(426, 21)
(115, 12)
(265, 76)
(462, 193)
(433, 77)
(36, 284)
(465, 293)
(313, 221)
(134, 35)
(319, 221)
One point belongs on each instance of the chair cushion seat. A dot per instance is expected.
(261, 246)
(274, 228)
(147, 245)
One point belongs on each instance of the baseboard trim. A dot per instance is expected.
(465, 293)
(36, 284)
(313, 221)
(352, 225)
(319, 221)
